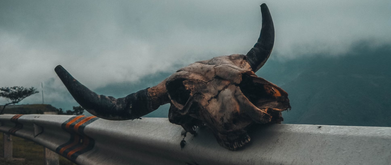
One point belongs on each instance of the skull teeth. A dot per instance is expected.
(194, 128)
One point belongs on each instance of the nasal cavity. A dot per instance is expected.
(177, 91)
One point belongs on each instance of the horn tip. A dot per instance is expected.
(60, 71)
(58, 67)
(264, 7)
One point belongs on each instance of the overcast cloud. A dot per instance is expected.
(102, 42)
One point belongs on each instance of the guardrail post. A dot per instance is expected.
(51, 158)
(7, 139)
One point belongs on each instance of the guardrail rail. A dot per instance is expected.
(90, 140)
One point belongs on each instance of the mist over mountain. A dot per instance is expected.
(348, 89)
(119, 47)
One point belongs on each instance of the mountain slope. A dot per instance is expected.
(352, 89)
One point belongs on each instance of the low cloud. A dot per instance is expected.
(103, 42)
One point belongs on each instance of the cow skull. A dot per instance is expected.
(222, 93)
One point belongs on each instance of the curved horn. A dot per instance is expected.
(132, 106)
(259, 54)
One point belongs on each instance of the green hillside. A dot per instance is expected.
(353, 89)
(29, 109)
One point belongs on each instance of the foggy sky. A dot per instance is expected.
(103, 42)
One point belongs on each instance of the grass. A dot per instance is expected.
(30, 151)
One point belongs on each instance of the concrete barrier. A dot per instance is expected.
(89, 140)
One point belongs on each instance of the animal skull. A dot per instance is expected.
(222, 93)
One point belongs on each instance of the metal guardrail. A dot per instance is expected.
(89, 140)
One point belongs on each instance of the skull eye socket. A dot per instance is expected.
(263, 94)
(178, 91)
(255, 92)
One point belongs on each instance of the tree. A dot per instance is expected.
(60, 111)
(77, 110)
(16, 94)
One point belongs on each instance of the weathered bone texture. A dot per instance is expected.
(222, 93)
(226, 95)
